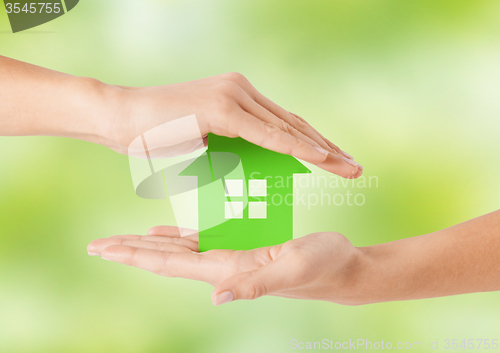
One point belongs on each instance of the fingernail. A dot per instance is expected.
(360, 166)
(321, 150)
(223, 298)
(93, 253)
(347, 155)
(350, 161)
(107, 259)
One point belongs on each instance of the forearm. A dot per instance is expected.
(38, 101)
(457, 260)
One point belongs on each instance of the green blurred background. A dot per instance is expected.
(410, 88)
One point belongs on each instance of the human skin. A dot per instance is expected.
(38, 101)
(325, 266)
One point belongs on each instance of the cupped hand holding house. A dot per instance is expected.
(312, 267)
(325, 266)
(45, 102)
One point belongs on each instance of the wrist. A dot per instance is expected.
(104, 113)
(89, 112)
(121, 126)
(383, 274)
(367, 277)
(353, 288)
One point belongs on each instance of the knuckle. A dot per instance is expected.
(271, 132)
(294, 131)
(299, 118)
(134, 261)
(301, 124)
(255, 290)
(222, 103)
(163, 246)
(163, 270)
(227, 88)
(211, 253)
(286, 127)
(179, 241)
(271, 129)
(224, 96)
(298, 145)
(234, 77)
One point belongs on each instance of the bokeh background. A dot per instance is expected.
(410, 88)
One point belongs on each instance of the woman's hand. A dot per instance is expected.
(326, 266)
(320, 266)
(115, 116)
(226, 105)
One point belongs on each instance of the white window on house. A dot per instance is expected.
(234, 187)
(256, 188)
(257, 210)
(233, 210)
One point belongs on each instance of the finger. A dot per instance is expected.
(165, 231)
(250, 106)
(160, 246)
(340, 165)
(291, 119)
(171, 231)
(270, 136)
(338, 162)
(331, 144)
(96, 247)
(300, 124)
(254, 284)
(273, 138)
(165, 239)
(327, 141)
(168, 264)
(359, 173)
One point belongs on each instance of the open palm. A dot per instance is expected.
(316, 266)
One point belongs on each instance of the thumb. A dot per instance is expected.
(252, 284)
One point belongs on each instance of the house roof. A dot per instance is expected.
(224, 155)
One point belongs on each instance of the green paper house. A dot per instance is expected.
(245, 194)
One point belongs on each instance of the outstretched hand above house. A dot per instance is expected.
(325, 266)
(229, 105)
(38, 101)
